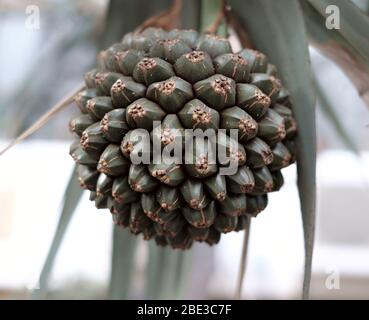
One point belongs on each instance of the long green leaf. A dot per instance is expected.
(362, 5)
(336, 47)
(123, 254)
(153, 270)
(333, 118)
(172, 274)
(158, 273)
(72, 196)
(243, 260)
(184, 266)
(166, 273)
(354, 24)
(277, 28)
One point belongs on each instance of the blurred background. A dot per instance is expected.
(40, 65)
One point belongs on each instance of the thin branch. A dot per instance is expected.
(242, 270)
(212, 29)
(236, 25)
(166, 20)
(45, 118)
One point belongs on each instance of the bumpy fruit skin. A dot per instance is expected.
(186, 81)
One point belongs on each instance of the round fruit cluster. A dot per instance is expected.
(185, 81)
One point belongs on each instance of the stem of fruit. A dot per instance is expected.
(215, 12)
(242, 270)
(213, 28)
(167, 19)
(236, 25)
(63, 103)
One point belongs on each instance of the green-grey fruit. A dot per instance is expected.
(92, 139)
(271, 127)
(114, 125)
(242, 181)
(90, 77)
(171, 94)
(238, 119)
(104, 184)
(121, 191)
(234, 66)
(281, 157)
(213, 45)
(150, 70)
(83, 97)
(257, 60)
(140, 179)
(188, 36)
(252, 99)
(256, 204)
(216, 187)
(87, 177)
(142, 113)
(126, 60)
(225, 223)
(170, 173)
(169, 198)
(112, 161)
(217, 91)
(79, 123)
(125, 90)
(233, 205)
(197, 115)
(202, 218)
(263, 181)
(99, 106)
(194, 194)
(169, 49)
(270, 85)
(259, 153)
(194, 66)
(170, 133)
